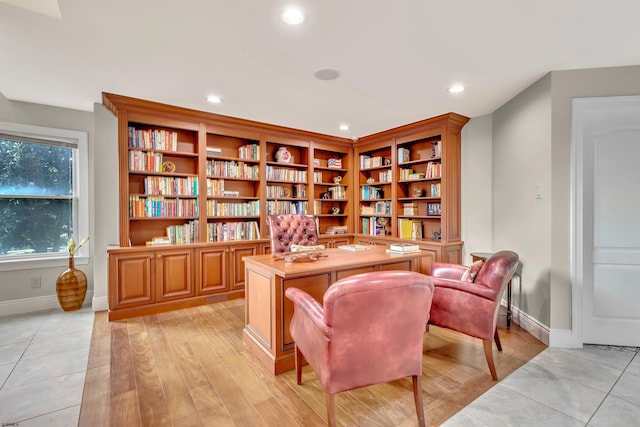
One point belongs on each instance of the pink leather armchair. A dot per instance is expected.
(369, 330)
(287, 229)
(472, 308)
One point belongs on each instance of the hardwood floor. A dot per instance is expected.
(191, 368)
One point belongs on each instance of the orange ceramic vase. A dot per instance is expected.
(71, 288)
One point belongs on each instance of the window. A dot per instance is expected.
(43, 195)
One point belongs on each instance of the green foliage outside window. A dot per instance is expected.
(36, 197)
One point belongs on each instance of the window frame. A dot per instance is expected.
(80, 195)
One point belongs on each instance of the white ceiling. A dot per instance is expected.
(396, 58)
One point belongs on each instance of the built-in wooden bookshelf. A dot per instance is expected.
(331, 183)
(375, 189)
(409, 179)
(207, 182)
(287, 176)
(232, 171)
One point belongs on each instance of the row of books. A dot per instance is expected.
(286, 174)
(385, 176)
(249, 152)
(408, 173)
(409, 229)
(145, 161)
(216, 208)
(215, 187)
(169, 186)
(368, 192)
(277, 192)
(226, 231)
(232, 169)
(367, 162)
(338, 192)
(435, 190)
(158, 206)
(149, 139)
(286, 207)
(382, 207)
(434, 209)
(373, 226)
(186, 233)
(434, 170)
(436, 149)
(178, 234)
(337, 229)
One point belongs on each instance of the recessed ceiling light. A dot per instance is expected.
(214, 99)
(292, 16)
(456, 89)
(327, 74)
(344, 127)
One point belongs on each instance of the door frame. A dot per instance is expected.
(578, 124)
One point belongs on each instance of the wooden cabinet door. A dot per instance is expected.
(211, 270)
(175, 274)
(131, 279)
(236, 268)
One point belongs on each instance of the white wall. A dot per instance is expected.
(521, 221)
(106, 189)
(477, 192)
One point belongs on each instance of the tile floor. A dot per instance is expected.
(43, 359)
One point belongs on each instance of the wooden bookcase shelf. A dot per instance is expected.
(211, 180)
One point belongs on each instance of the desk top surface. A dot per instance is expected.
(331, 260)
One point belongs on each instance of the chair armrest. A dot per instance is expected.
(308, 306)
(447, 271)
(477, 289)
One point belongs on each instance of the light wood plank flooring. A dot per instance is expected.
(191, 368)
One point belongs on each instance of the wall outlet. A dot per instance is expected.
(36, 282)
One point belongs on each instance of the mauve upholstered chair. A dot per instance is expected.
(288, 229)
(472, 307)
(368, 330)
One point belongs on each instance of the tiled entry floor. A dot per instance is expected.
(592, 386)
(43, 361)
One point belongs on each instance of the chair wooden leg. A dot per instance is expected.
(331, 410)
(298, 362)
(488, 353)
(417, 396)
(496, 337)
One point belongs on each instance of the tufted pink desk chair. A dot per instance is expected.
(350, 342)
(287, 229)
(472, 307)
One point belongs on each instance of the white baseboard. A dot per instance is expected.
(100, 304)
(529, 324)
(563, 338)
(28, 305)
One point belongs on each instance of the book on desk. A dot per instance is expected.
(403, 248)
(354, 247)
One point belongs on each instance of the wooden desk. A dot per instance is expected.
(475, 256)
(268, 312)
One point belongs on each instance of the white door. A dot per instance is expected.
(609, 159)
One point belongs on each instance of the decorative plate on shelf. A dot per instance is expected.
(168, 167)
